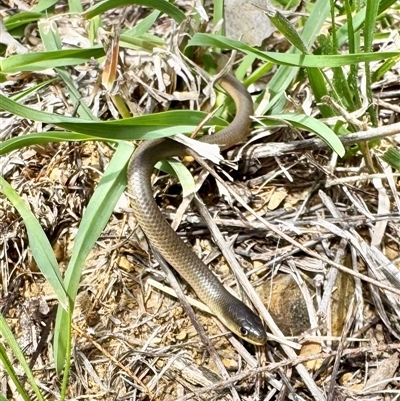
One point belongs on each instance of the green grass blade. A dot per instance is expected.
(83, 110)
(307, 123)
(285, 75)
(98, 211)
(293, 60)
(21, 19)
(139, 38)
(145, 43)
(8, 367)
(10, 339)
(354, 47)
(280, 81)
(30, 91)
(343, 94)
(143, 26)
(95, 24)
(287, 30)
(260, 72)
(44, 5)
(96, 216)
(67, 336)
(218, 15)
(38, 244)
(384, 68)
(370, 23)
(49, 35)
(346, 32)
(369, 30)
(314, 22)
(245, 65)
(385, 4)
(44, 138)
(177, 169)
(319, 88)
(161, 5)
(392, 157)
(52, 42)
(149, 126)
(43, 60)
(75, 6)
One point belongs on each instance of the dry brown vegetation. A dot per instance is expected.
(328, 273)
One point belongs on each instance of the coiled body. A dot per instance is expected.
(232, 312)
